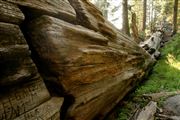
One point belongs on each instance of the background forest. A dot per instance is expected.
(145, 14)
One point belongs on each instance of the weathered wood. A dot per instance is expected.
(157, 54)
(16, 64)
(89, 16)
(57, 8)
(49, 110)
(10, 13)
(22, 90)
(15, 101)
(95, 64)
(157, 40)
(168, 117)
(148, 112)
(10, 34)
(153, 44)
(135, 114)
(96, 72)
(116, 88)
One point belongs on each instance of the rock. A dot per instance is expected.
(95, 72)
(49, 110)
(57, 8)
(16, 64)
(172, 104)
(10, 13)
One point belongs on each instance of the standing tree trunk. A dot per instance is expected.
(152, 16)
(144, 15)
(175, 16)
(125, 17)
(105, 11)
(134, 27)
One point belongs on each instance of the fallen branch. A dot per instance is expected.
(156, 96)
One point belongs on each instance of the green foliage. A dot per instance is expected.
(167, 7)
(165, 77)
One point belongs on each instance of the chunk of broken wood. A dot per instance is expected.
(153, 44)
(148, 112)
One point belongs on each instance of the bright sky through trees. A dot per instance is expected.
(115, 17)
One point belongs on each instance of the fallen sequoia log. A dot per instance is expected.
(80, 60)
(96, 69)
(79, 54)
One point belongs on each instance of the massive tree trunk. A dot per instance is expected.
(144, 15)
(125, 17)
(175, 12)
(84, 63)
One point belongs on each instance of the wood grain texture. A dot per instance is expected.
(16, 64)
(17, 100)
(89, 16)
(22, 90)
(57, 8)
(10, 13)
(49, 110)
(148, 112)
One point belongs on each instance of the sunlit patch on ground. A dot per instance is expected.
(173, 62)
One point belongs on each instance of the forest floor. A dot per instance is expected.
(164, 79)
